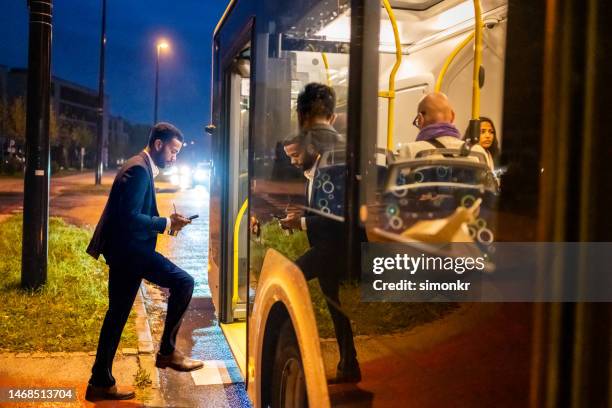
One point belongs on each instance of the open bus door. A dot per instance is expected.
(228, 268)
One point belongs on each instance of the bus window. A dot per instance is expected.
(298, 154)
(430, 178)
(303, 56)
(427, 186)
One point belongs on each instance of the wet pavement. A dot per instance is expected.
(219, 383)
(189, 249)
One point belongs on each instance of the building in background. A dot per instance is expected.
(76, 111)
(118, 140)
(75, 108)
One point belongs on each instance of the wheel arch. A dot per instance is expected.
(282, 293)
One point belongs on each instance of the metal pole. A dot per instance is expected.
(156, 86)
(100, 141)
(36, 182)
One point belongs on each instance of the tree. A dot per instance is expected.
(54, 128)
(82, 136)
(3, 119)
(17, 120)
(13, 121)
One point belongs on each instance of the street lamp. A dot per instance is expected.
(161, 45)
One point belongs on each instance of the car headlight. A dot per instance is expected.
(199, 175)
(185, 181)
(172, 170)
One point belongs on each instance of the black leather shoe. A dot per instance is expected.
(177, 361)
(347, 374)
(95, 393)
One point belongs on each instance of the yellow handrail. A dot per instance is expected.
(477, 61)
(390, 95)
(450, 59)
(326, 63)
(236, 233)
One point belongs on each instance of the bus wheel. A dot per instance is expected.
(288, 381)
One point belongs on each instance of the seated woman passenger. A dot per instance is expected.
(435, 120)
(488, 139)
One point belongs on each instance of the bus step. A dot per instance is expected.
(240, 311)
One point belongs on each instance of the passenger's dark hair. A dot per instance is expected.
(165, 132)
(321, 141)
(316, 100)
(298, 139)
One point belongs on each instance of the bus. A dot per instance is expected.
(537, 70)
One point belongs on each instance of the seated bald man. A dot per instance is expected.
(435, 120)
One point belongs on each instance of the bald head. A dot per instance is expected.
(435, 108)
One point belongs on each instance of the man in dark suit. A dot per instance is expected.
(311, 151)
(126, 235)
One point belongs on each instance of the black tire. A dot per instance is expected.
(288, 380)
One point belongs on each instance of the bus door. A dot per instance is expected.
(236, 88)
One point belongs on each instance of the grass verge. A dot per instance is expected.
(367, 318)
(67, 313)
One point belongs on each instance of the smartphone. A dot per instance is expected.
(193, 217)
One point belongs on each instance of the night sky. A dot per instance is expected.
(132, 30)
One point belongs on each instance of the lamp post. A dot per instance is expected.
(36, 181)
(100, 130)
(161, 45)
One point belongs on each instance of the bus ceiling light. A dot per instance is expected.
(453, 16)
(340, 30)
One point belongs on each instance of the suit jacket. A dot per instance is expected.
(130, 221)
(326, 195)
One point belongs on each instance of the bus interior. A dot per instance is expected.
(411, 354)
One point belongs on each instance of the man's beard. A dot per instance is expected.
(309, 161)
(158, 160)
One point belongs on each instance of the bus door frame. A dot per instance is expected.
(361, 125)
(226, 59)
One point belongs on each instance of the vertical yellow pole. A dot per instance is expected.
(245, 205)
(398, 61)
(477, 60)
(326, 63)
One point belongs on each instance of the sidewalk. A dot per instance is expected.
(72, 370)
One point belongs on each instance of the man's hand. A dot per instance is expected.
(292, 221)
(177, 222)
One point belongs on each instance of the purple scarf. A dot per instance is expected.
(436, 130)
